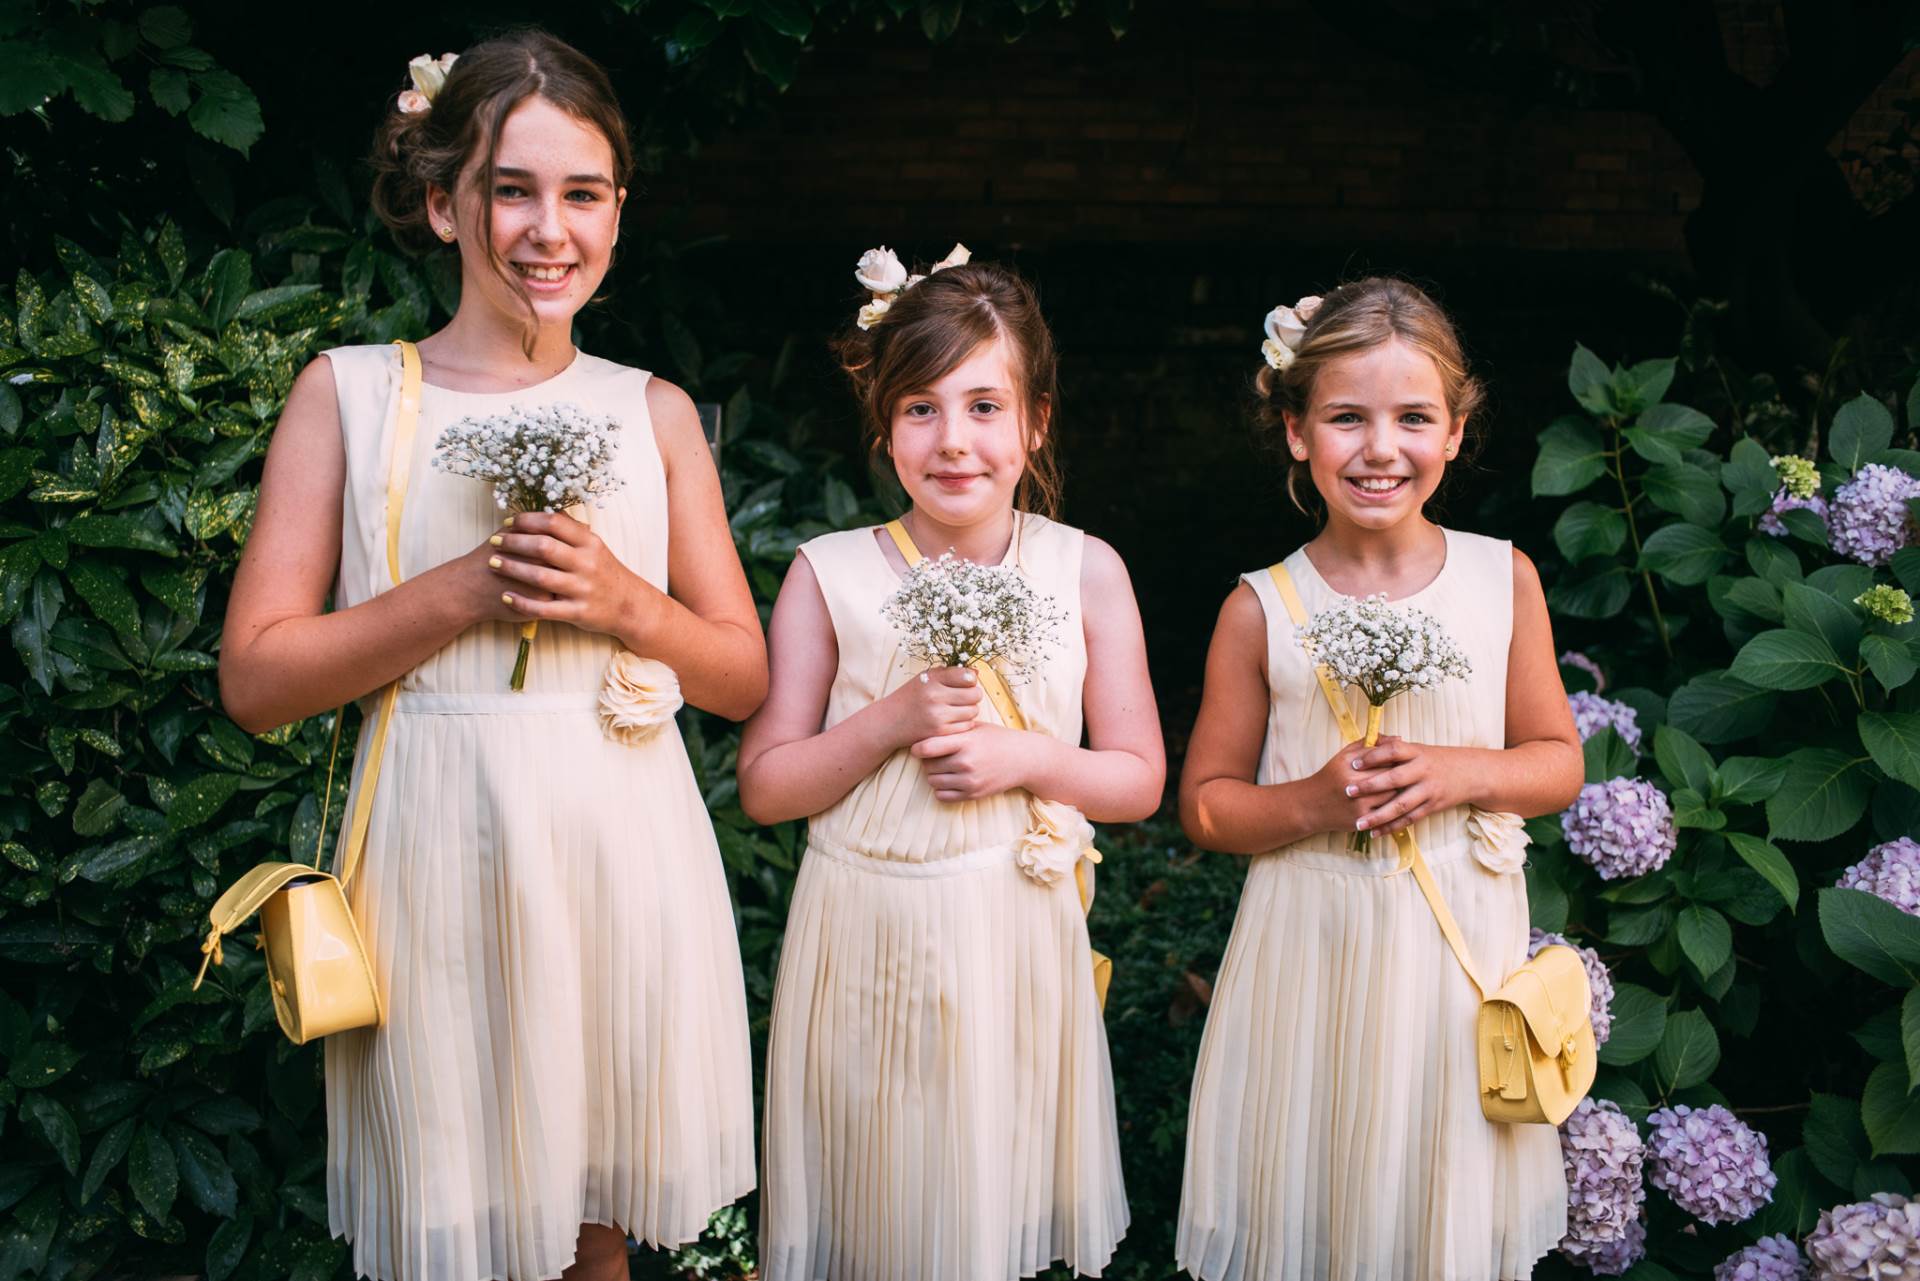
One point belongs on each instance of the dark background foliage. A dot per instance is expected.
(186, 221)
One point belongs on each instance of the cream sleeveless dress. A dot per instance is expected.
(566, 1031)
(1335, 1129)
(939, 1104)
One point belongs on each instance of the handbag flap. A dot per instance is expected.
(1551, 993)
(251, 892)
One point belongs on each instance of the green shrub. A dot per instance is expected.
(1781, 719)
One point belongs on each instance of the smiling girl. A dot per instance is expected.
(939, 1105)
(564, 1058)
(1335, 1129)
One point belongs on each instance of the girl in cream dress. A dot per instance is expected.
(564, 1057)
(939, 1103)
(1335, 1131)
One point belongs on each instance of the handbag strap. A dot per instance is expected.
(993, 683)
(1410, 857)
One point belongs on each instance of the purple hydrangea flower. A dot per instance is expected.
(1713, 1164)
(1603, 1156)
(1773, 1258)
(1623, 827)
(1891, 870)
(1599, 981)
(1867, 1240)
(1869, 519)
(1574, 658)
(1592, 713)
(1770, 522)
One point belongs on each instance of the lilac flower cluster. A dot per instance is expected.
(1891, 870)
(1599, 981)
(1784, 501)
(1867, 1241)
(1603, 1156)
(1592, 713)
(1713, 1164)
(1623, 827)
(1773, 1258)
(1574, 658)
(1869, 520)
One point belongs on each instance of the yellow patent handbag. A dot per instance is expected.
(1533, 1035)
(317, 967)
(997, 689)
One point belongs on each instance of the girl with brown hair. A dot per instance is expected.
(939, 1103)
(1335, 1131)
(564, 1058)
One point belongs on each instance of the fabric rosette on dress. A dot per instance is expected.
(1499, 838)
(638, 696)
(1057, 837)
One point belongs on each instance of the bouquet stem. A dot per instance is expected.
(1362, 842)
(518, 680)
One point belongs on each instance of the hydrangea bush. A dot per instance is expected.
(1745, 854)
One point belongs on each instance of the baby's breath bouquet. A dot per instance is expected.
(954, 613)
(1383, 650)
(542, 458)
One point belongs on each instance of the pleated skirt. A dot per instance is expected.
(939, 1101)
(565, 1038)
(1335, 1131)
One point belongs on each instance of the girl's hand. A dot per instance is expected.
(479, 586)
(1404, 782)
(555, 567)
(941, 701)
(984, 761)
(1338, 803)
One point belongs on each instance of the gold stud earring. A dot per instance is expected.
(446, 233)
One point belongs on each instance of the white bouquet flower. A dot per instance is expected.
(954, 613)
(542, 458)
(1383, 650)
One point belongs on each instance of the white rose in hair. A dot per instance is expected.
(412, 101)
(429, 73)
(638, 696)
(871, 313)
(880, 271)
(959, 257)
(1287, 325)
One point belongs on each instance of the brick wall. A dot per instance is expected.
(1211, 119)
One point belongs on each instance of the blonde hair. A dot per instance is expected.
(933, 327)
(1359, 316)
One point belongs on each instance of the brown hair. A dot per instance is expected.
(934, 326)
(1359, 316)
(415, 150)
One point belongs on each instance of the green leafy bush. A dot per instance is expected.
(1780, 716)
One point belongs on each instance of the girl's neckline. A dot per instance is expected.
(578, 357)
(877, 532)
(1446, 564)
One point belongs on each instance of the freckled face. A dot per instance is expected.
(1377, 434)
(556, 216)
(960, 446)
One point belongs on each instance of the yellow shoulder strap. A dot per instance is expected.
(399, 465)
(1410, 856)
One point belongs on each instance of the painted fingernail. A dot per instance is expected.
(1360, 824)
(1353, 789)
(508, 521)
(1355, 762)
(969, 676)
(498, 540)
(493, 562)
(507, 597)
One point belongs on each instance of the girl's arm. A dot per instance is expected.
(789, 768)
(1119, 777)
(281, 656)
(1540, 769)
(707, 629)
(1221, 807)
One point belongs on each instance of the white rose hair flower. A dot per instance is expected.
(1285, 327)
(881, 273)
(429, 74)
